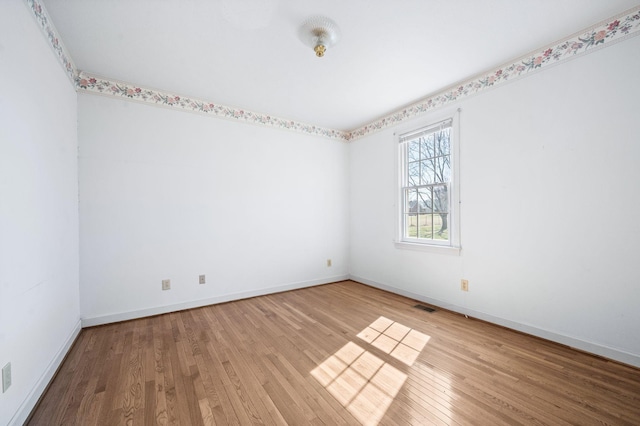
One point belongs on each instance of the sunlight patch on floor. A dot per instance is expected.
(399, 341)
(362, 382)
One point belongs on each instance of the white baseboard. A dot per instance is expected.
(125, 316)
(20, 417)
(593, 348)
(32, 399)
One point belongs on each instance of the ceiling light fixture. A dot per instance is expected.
(319, 33)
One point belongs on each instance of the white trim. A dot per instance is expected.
(583, 345)
(430, 248)
(141, 313)
(37, 391)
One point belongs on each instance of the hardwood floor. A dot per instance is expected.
(341, 353)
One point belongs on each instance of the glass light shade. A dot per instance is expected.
(319, 33)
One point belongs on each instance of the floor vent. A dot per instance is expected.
(425, 308)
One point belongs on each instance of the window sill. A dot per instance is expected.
(430, 248)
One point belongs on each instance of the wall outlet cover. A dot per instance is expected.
(464, 285)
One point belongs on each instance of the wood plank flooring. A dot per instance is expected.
(337, 354)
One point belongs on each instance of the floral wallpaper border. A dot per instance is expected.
(90, 83)
(45, 24)
(614, 29)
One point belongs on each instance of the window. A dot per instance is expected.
(427, 190)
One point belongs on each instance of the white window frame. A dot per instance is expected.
(451, 246)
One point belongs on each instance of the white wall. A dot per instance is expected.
(550, 218)
(39, 303)
(169, 194)
(549, 213)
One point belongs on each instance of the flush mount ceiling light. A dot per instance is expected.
(319, 33)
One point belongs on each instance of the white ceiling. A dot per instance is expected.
(245, 53)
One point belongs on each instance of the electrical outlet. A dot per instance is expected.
(464, 285)
(201, 279)
(329, 262)
(166, 284)
(6, 377)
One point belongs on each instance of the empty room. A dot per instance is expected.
(300, 212)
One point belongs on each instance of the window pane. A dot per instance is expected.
(441, 226)
(425, 226)
(442, 168)
(411, 201)
(444, 142)
(410, 225)
(427, 148)
(413, 177)
(426, 171)
(425, 200)
(440, 199)
(413, 150)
